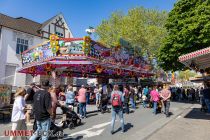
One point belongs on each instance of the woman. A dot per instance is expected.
(155, 97)
(98, 97)
(62, 96)
(132, 96)
(52, 92)
(18, 116)
(88, 96)
(126, 99)
(70, 96)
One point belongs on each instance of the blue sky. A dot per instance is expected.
(79, 14)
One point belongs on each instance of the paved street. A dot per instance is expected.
(139, 125)
(190, 125)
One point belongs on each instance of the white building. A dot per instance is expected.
(19, 34)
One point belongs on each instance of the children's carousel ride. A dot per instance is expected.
(82, 57)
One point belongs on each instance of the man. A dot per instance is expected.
(206, 96)
(192, 92)
(42, 111)
(82, 101)
(165, 94)
(29, 101)
(117, 107)
(202, 101)
(145, 91)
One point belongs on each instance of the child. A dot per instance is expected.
(144, 98)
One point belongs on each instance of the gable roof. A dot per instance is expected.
(20, 24)
(47, 22)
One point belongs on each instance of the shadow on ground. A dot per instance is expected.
(90, 115)
(76, 138)
(126, 127)
(195, 113)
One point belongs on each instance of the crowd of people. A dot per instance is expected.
(185, 94)
(42, 101)
(156, 98)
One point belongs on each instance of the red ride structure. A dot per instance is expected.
(82, 57)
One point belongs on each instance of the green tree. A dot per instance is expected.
(141, 27)
(185, 75)
(188, 29)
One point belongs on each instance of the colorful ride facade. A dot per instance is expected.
(82, 57)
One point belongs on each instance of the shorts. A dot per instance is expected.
(29, 107)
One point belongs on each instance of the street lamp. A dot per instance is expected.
(90, 30)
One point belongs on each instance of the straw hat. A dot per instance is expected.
(20, 92)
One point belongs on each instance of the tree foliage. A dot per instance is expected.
(141, 27)
(188, 29)
(186, 75)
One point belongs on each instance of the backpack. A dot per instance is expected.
(116, 100)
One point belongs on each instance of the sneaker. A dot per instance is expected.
(208, 114)
(112, 132)
(123, 131)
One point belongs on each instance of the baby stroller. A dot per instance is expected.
(71, 118)
(104, 104)
(56, 130)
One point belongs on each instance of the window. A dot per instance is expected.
(59, 34)
(22, 45)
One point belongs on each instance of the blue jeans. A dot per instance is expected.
(154, 107)
(119, 112)
(133, 105)
(82, 109)
(207, 101)
(167, 106)
(42, 126)
(126, 108)
(144, 104)
(88, 99)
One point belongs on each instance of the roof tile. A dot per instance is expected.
(20, 24)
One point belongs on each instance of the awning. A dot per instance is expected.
(197, 60)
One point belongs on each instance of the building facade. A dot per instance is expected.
(20, 34)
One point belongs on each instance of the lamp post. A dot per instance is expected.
(90, 30)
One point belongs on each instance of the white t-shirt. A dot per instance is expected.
(105, 89)
(18, 109)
